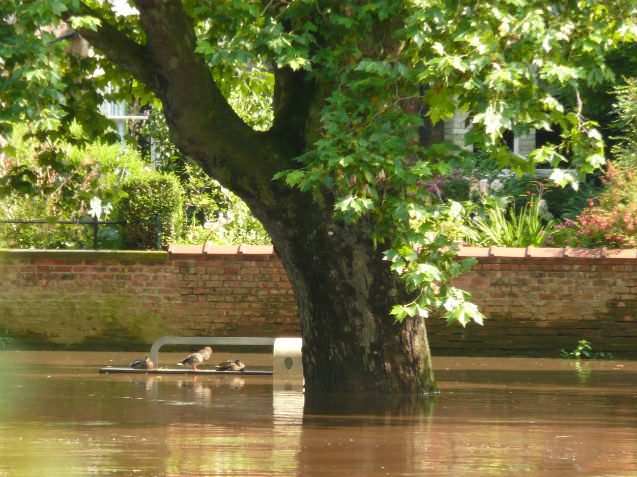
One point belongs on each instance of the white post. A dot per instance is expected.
(287, 362)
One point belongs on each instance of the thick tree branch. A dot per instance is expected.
(202, 122)
(118, 48)
(294, 91)
(293, 94)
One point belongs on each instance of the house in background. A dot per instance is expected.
(117, 111)
(455, 129)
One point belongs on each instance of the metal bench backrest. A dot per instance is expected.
(206, 341)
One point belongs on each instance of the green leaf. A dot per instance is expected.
(294, 178)
(298, 63)
(399, 312)
(87, 22)
(493, 121)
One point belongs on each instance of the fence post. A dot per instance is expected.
(158, 232)
(95, 225)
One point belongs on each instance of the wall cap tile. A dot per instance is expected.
(571, 252)
(544, 252)
(473, 252)
(507, 252)
(221, 249)
(628, 253)
(174, 249)
(256, 249)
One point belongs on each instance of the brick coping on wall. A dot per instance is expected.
(548, 252)
(143, 256)
(54, 255)
(209, 249)
(250, 250)
(476, 252)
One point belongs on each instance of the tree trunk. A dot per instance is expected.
(344, 291)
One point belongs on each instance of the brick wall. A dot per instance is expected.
(122, 298)
(537, 300)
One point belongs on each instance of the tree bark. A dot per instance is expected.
(345, 291)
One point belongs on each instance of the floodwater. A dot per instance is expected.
(494, 417)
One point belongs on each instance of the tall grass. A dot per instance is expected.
(505, 226)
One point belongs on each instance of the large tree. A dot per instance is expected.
(340, 177)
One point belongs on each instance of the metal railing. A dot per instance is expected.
(206, 341)
(94, 224)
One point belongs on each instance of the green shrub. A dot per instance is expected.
(56, 182)
(152, 209)
(568, 203)
(211, 212)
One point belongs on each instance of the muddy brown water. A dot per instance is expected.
(494, 417)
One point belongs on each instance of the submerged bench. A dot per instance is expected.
(127, 370)
(286, 355)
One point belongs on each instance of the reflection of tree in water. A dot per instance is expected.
(473, 433)
(366, 435)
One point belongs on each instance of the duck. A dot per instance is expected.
(231, 365)
(145, 363)
(195, 359)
